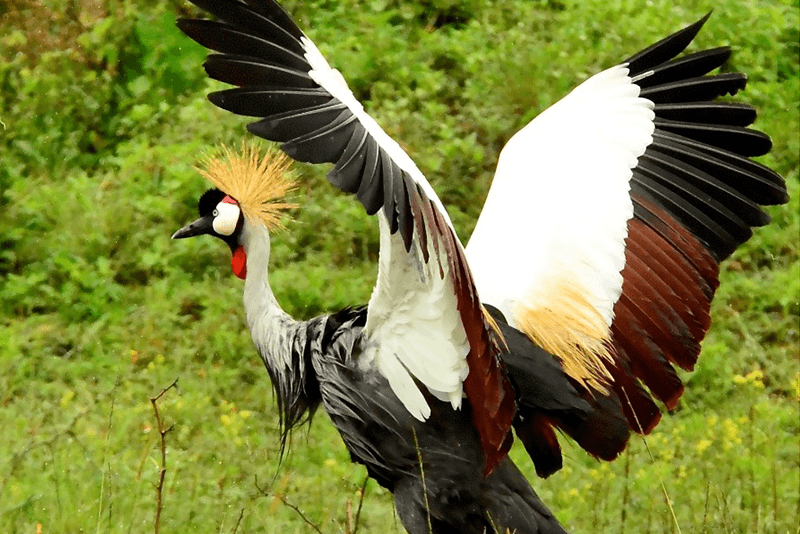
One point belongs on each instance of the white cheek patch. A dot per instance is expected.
(226, 219)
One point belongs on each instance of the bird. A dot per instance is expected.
(587, 280)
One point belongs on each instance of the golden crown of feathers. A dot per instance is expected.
(257, 183)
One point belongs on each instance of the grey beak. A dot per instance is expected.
(201, 226)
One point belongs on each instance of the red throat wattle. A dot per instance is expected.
(239, 263)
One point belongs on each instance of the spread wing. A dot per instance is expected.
(609, 214)
(425, 321)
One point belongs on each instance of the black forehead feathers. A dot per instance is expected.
(208, 202)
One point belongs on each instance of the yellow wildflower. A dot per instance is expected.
(67, 397)
(731, 434)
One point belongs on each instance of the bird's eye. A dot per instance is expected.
(215, 213)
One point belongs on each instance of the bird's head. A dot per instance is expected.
(249, 191)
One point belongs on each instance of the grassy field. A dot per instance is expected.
(103, 116)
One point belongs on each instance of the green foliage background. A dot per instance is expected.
(103, 117)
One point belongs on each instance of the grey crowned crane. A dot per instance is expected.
(585, 281)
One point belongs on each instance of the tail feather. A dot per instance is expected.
(537, 434)
(549, 399)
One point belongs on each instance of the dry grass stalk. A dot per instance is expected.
(162, 472)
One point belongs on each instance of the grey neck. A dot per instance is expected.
(272, 329)
(280, 340)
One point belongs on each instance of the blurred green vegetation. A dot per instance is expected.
(103, 116)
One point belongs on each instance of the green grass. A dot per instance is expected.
(103, 117)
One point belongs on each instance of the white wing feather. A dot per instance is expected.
(558, 207)
(414, 327)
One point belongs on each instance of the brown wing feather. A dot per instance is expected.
(663, 313)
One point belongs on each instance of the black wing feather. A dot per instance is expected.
(296, 123)
(742, 141)
(702, 88)
(261, 101)
(723, 113)
(274, 23)
(370, 192)
(754, 181)
(664, 50)
(391, 175)
(682, 181)
(228, 39)
(405, 221)
(690, 66)
(275, 13)
(746, 210)
(245, 70)
(326, 144)
(346, 175)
